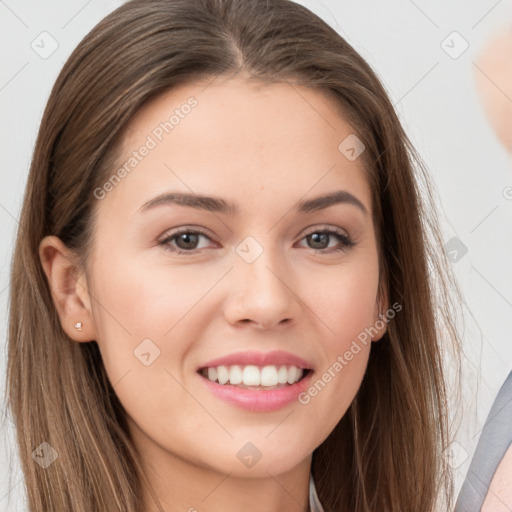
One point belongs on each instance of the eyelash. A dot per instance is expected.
(346, 241)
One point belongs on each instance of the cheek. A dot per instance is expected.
(344, 299)
(344, 302)
(146, 299)
(146, 323)
(146, 311)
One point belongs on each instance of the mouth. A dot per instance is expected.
(257, 381)
(253, 377)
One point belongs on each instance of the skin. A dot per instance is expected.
(265, 147)
(493, 77)
(499, 496)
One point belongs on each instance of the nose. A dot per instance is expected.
(261, 293)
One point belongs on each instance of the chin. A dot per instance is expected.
(255, 459)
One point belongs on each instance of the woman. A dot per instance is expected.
(221, 294)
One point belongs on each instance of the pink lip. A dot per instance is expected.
(259, 400)
(276, 357)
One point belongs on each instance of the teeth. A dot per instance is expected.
(268, 376)
(252, 375)
(222, 374)
(282, 375)
(235, 375)
(293, 373)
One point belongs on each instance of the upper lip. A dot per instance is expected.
(275, 357)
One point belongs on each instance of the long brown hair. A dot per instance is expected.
(386, 453)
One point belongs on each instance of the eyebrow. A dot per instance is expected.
(218, 205)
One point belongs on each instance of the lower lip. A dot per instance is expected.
(258, 400)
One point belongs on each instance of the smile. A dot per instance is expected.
(254, 377)
(257, 397)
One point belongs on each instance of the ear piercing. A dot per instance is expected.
(78, 326)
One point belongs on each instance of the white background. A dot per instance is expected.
(436, 99)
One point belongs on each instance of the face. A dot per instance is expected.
(258, 278)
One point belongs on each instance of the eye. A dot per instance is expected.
(320, 238)
(186, 240)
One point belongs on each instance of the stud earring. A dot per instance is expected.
(78, 326)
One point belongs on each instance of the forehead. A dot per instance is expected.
(240, 138)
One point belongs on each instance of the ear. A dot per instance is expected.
(68, 286)
(381, 306)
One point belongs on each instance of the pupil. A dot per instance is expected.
(186, 237)
(318, 238)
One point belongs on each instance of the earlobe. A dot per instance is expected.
(68, 288)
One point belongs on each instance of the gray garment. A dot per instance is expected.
(314, 503)
(494, 442)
